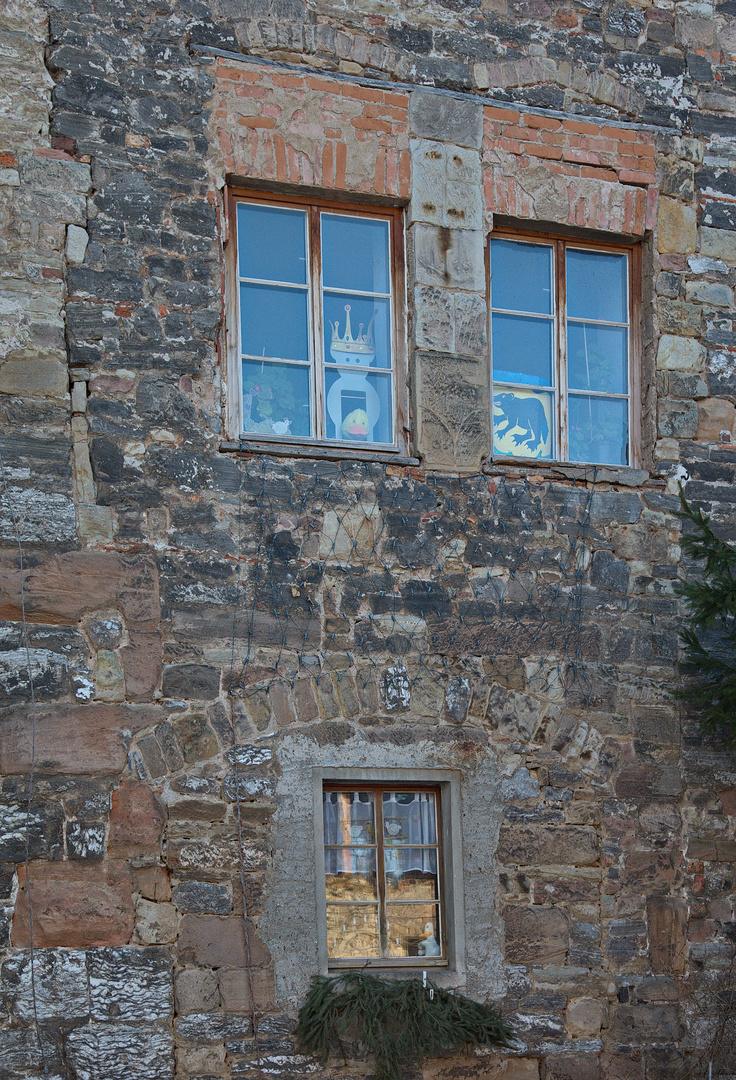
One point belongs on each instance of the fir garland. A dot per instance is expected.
(401, 1022)
(710, 642)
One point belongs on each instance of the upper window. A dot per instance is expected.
(318, 346)
(562, 351)
(383, 876)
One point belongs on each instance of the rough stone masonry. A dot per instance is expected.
(598, 881)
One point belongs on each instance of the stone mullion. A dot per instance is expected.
(446, 280)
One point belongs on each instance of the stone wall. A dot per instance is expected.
(165, 705)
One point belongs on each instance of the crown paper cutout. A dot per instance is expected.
(361, 343)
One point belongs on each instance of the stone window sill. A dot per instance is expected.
(625, 476)
(314, 453)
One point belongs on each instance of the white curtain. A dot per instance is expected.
(408, 820)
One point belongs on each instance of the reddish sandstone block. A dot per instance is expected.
(572, 1067)
(76, 740)
(137, 820)
(61, 588)
(152, 882)
(728, 802)
(667, 921)
(74, 905)
(142, 660)
(235, 990)
(535, 935)
(218, 941)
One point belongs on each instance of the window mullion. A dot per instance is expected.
(561, 366)
(381, 876)
(318, 378)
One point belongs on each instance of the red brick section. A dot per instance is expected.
(330, 134)
(74, 905)
(595, 159)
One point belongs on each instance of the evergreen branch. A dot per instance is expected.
(709, 642)
(400, 1022)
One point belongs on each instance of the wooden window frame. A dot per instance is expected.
(314, 208)
(560, 244)
(378, 788)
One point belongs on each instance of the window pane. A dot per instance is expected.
(522, 349)
(357, 331)
(521, 276)
(413, 930)
(522, 423)
(411, 873)
(271, 243)
(596, 286)
(273, 322)
(350, 873)
(597, 358)
(276, 398)
(359, 406)
(352, 931)
(348, 817)
(355, 253)
(599, 430)
(409, 818)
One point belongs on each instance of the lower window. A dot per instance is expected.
(563, 350)
(383, 863)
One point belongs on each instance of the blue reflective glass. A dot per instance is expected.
(521, 276)
(522, 349)
(355, 253)
(596, 286)
(276, 399)
(597, 358)
(273, 322)
(272, 243)
(599, 430)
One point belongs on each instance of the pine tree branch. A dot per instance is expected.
(709, 642)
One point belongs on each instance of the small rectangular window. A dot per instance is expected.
(563, 351)
(383, 876)
(320, 358)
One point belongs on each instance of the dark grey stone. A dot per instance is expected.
(121, 1051)
(609, 573)
(132, 985)
(105, 633)
(202, 896)
(213, 1027)
(41, 829)
(61, 990)
(85, 840)
(677, 419)
(457, 698)
(608, 506)
(438, 116)
(196, 681)
(625, 22)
